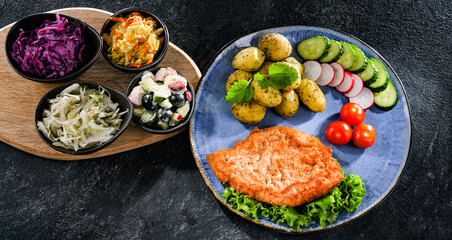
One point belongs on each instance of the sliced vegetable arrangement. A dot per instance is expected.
(328, 63)
(80, 117)
(353, 71)
(279, 81)
(344, 198)
(364, 81)
(54, 49)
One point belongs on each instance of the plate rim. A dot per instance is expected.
(286, 230)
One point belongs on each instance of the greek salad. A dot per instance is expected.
(162, 100)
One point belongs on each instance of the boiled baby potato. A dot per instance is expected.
(311, 95)
(248, 112)
(275, 46)
(289, 104)
(236, 76)
(270, 97)
(294, 85)
(263, 70)
(295, 63)
(249, 59)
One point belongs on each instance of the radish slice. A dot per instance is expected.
(347, 85)
(357, 87)
(326, 76)
(365, 99)
(312, 70)
(339, 74)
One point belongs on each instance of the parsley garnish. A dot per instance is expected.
(261, 80)
(280, 75)
(241, 91)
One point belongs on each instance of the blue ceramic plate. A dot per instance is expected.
(213, 126)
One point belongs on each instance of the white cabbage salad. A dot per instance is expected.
(80, 117)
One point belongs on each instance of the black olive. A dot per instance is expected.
(177, 99)
(164, 114)
(148, 102)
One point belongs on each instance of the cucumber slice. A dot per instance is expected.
(348, 57)
(148, 116)
(382, 78)
(386, 99)
(360, 60)
(163, 125)
(166, 104)
(138, 111)
(334, 52)
(184, 109)
(314, 48)
(369, 75)
(174, 121)
(147, 83)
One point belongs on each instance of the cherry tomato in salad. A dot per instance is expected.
(363, 135)
(352, 114)
(338, 133)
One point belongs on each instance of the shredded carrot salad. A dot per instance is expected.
(134, 40)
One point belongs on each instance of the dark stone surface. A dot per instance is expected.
(157, 192)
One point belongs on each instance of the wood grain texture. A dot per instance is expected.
(19, 96)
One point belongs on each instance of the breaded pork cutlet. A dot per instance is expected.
(279, 166)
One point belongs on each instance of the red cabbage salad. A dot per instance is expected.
(52, 50)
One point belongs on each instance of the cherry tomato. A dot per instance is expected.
(352, 114)
(363, 135)
(338, 133)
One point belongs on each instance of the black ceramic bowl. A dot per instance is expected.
(92, 38)
(150, 129)
(106, 29)
(116, 97)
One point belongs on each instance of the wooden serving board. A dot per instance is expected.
(19, 96)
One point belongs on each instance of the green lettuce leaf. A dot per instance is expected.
(344, 198)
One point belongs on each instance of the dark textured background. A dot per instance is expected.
(157, 191)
